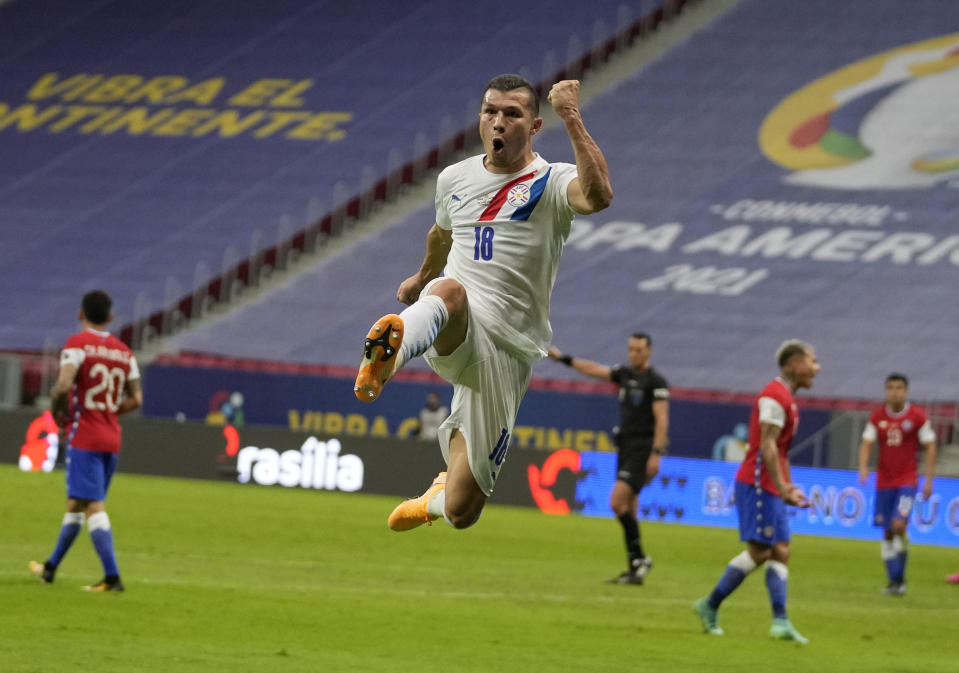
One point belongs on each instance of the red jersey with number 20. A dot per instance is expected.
(776, 406)
(104, 365)
(899, 436)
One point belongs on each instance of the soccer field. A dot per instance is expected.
(223, 577)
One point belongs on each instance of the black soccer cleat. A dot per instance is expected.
(106, 584)
(44, 571)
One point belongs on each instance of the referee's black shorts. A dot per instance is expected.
(631, 462)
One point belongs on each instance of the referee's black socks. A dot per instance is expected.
(631, 534)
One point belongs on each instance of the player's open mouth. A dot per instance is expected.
(498, 144)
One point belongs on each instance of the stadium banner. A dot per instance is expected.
(686, 491)
(701, 493)
(325, 405)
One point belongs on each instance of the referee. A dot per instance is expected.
(641, 438)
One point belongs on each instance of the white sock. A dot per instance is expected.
(437, 504)
(421, 323)
(743, 562)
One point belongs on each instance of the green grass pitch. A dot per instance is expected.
(223, 577)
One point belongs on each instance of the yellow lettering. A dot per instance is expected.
(583, 440)
(603, 442)
(97, 122)
(539, 442)
(182, 122)
(293, 417)
(260, 92)
(156, 89)
(333, 424)
(380, 428)
(74, 113)
(356, 425)
(321, 125)
(407, 427)
(69, 88)
(229, 123)
(113, 89)
(201, 94)
(555, 440)
(137, 120)
(27, 118)
(522, 434)
(289, 97)
(313, 421)
(278, 121)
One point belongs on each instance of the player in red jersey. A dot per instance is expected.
(763, 489)
(899, 427)
(98, 380)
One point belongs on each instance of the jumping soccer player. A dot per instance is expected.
(102, 379)
(642, 439)
(763, 489)
(502, 219)
(899, 427)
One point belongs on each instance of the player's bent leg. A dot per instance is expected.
(453, 332)
(464, 498)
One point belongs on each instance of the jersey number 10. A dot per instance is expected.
(483, 246)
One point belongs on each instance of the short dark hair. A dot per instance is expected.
(896, 376)
(96, 306)
(510, 82)
(789, 349)
(642, 335)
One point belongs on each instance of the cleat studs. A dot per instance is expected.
(371, 394)
(377, 328)
(356, 389)
(395, 335)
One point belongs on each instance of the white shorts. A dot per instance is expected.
(488, 386)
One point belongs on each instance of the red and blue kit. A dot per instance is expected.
(104, 365)
(899, 436)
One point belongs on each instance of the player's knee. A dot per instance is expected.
(898, 527)
(452, 293)
(463, 515)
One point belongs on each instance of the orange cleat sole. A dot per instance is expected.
(379, 357)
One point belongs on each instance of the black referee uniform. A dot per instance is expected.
(634, 436)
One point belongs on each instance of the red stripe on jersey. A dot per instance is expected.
(493, 208)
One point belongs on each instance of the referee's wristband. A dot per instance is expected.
(567, 360)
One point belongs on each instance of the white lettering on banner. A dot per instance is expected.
(625, 235)
(315, 465)
(748, 210)
(707, 280)
(830, 504)
(740, 240)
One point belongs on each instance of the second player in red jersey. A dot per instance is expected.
(899, 428)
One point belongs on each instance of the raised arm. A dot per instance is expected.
(439, 241)
(591, 191)
(588, 367)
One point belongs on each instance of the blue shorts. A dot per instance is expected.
(89, 473)
(892, 504)
(762, 516)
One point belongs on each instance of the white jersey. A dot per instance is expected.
(508, 235)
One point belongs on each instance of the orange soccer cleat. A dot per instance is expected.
(412, 513)
(379, 357)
